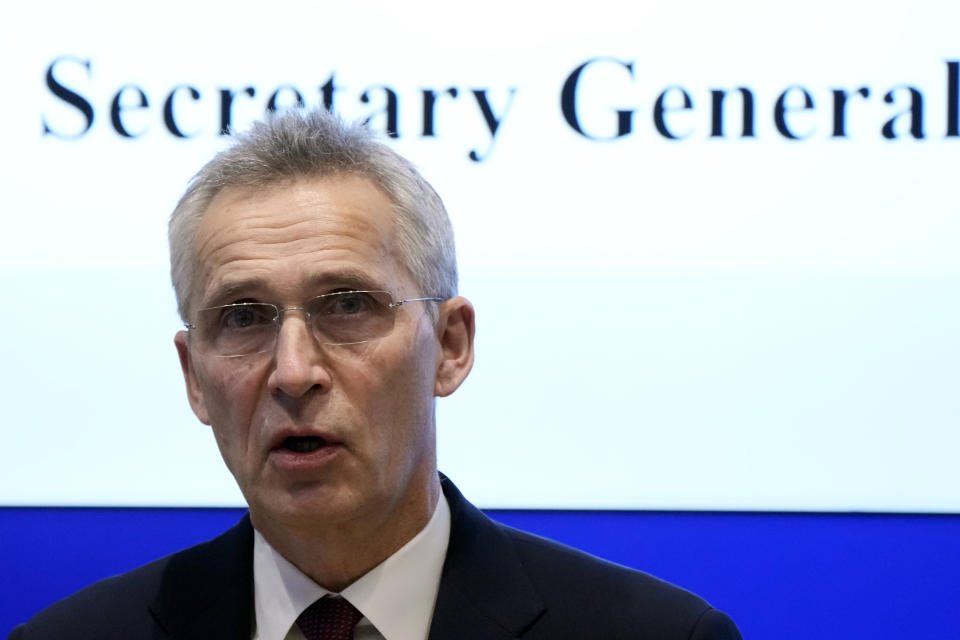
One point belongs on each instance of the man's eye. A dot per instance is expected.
(246, 315)
(348, 303)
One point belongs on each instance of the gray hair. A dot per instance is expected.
(317, 144)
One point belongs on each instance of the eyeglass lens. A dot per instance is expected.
(342, 317)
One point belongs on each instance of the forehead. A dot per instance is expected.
(288, 237)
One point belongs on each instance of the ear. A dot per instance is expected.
(194, 392)
(455, 330)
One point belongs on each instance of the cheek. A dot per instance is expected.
(231, 392)
(408, 397)
(229, 377)
(390, 385)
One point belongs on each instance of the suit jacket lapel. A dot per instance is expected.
(207, 590)
(484, 590)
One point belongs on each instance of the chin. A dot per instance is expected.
(307, 505)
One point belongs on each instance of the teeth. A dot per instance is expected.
(303, 444)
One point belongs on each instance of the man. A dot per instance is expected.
(315, 272)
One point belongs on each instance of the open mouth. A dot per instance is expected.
(303, 444)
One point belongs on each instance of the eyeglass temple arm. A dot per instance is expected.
(398, 303)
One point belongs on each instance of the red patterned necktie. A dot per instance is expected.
(329, 618)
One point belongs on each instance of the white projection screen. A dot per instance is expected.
(713, 247)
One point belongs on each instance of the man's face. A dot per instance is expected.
(371, 403)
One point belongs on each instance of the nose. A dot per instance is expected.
(298, 361)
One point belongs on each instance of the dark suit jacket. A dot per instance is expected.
(497, 582)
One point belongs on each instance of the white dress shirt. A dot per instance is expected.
(396, 597)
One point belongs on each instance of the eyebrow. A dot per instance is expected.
(232, 289)
(348, 278)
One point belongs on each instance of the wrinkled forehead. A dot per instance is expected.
(295, 230)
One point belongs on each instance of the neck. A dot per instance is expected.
(337, 555)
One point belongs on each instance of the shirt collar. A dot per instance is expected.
(397, 596)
